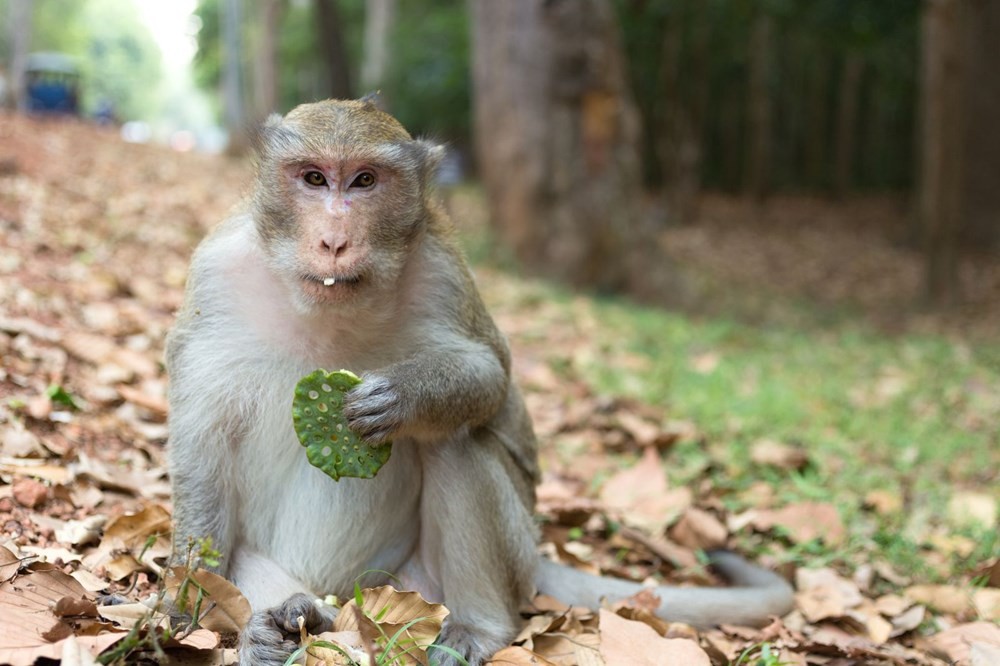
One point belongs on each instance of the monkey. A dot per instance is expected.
(341, 256)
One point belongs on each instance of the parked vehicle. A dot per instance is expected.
(52, 84)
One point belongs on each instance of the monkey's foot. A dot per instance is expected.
(271, 635)
(475, 646)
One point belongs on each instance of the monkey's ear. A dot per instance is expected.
(431, 154)
(374, 98)
(266, 133)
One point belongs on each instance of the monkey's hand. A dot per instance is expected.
(375, 408)
(427, 397)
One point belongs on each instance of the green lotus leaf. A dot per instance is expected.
(318, 417)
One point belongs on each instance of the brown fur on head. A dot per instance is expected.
(340, 230)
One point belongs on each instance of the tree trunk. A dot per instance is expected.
(680, 144)
(758, 160)
(847, 123)
(380, 17)
(330, 40)
(266, 58)
(818, 132)
(943, 132)
(19, 36)
(557, 138)
(234, 112)
(981, 192)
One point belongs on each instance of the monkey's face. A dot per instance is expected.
(340, 200)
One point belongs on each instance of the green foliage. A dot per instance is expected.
(759, 655)
(428, 82)
(426, 87)
(809, 44)
(121, 63)
(60, 395)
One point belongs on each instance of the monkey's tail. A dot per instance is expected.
(757, 594)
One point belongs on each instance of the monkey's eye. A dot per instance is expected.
(364, 180)
(314, 178)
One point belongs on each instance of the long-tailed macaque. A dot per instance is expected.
(342, 258)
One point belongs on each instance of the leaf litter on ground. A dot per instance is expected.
(84, 499)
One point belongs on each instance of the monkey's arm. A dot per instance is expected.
(456, 371)
(201, 441)
(430, 395)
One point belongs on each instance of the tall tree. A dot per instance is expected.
(234, 110)
(265, 63)
(758, 160)
(330, 39)
(943, 146)
(847, 122)
(960, 147)
(380, 17)
(982, 136)
(20, 43)
(557, 137)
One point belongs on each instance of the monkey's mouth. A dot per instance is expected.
(332, 280)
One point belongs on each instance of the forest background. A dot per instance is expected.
(746, 251)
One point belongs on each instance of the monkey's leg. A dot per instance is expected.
(477, 542)
(278, 601)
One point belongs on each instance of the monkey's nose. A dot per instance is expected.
(336, 244)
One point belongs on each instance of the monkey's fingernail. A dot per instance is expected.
(327, 282)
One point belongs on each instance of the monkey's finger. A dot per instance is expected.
(373, 429)
(370, 405)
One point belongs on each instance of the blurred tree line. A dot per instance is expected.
(585, 111)
(315, 49)
(117, 56)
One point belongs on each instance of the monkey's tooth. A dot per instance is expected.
(330, 281)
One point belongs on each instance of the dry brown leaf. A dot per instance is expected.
(942, 598)
(822, 594)
(983, 654)
(628, 643)
(74, 654)
(803, 522)
(35, 468)
(156, 404)
(30, 629)
(570, 648)
(973, 509)
(89, 581)
(641, 495)
(224, 609)
(699, 529)
(127, 615)
(201, 639)
(391, 610)
(777, 454)
(518, 656)
(908, 620)
(955, 644)
(9, 564)
(883, 502)
(987, 603)
(132, 530)
(16, 441)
